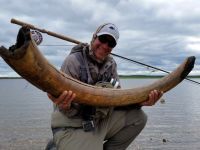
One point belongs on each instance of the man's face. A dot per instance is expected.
(102, 46)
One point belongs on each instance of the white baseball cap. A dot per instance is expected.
(109, 29)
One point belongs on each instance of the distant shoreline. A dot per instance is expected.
(11, 78)
(121, 76)
(149, 76)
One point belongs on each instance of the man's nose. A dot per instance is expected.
(105, 45)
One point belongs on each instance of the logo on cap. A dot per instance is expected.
(37, 36)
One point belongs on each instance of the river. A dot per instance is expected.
(25, 113)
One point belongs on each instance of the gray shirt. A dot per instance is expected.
(82, 65)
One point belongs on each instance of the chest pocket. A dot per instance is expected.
(83, 74)
(107, 75)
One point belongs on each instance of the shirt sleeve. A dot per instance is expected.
(71, 66)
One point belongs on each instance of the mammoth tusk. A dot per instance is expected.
(28, 62)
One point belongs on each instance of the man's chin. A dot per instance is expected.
(101, 58)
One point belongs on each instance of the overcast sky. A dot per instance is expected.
(161, 33)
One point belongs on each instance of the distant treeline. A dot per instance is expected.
(11, 78)
(150, 76)
(121, 76)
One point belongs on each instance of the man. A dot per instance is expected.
(82, 127)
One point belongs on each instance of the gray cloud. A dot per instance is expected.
(151, 31)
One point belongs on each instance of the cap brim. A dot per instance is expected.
(106, 33)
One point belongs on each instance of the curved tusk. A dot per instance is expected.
(28, 62)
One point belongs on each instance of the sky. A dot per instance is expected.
(160, 33)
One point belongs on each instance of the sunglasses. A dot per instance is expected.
(104, 39)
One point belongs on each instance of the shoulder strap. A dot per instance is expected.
(90, 80)
(78, 48)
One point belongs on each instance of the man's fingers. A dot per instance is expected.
(60, 99)
(67, 103)
(64, 100)
(154, 96)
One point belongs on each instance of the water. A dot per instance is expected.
(25, 117)
(173, 125)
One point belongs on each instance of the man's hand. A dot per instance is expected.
(64, 100)
(154, 96)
